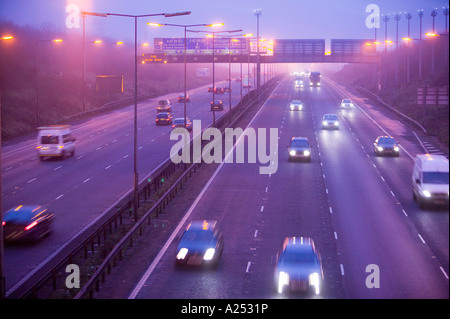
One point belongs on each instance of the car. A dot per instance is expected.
(227, 89)
(179, 122)
(299, 148)
(299, 83)
(386, 145)
(296, 105)
(26, 223)
(55, 141)
(200, 245)
(347, 103)
(163, 118)
(217, 105)
(219, 90)
(247, 85)
(164, 106)
(330, 121)
(210, 89)
(181, 98)
(298, 266)
(430, 180)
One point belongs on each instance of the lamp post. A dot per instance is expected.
(185, 26)
(433, 14)
(420, 43)
(213, 56)
(2, 271)
(135, 17)
(257, 12)
(37, 77)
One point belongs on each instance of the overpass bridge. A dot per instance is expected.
(201, 50)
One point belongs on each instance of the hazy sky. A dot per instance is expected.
(280, 19)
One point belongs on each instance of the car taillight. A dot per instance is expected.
(3, 223)
(31, 225)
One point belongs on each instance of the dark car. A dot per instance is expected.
(227, 88)
(298, 266)
(179, 122)
(210, 89)
(217, 105)
(181, 98)
(386, 145)
(330, 121)
(219, 90)
(26, 223)
(200, 244)
(299, 148)
(163, 119)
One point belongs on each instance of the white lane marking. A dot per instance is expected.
(248, 267)
(32, 180)
(59, 196)
(421, 238)
(86, 180)
(342, 270)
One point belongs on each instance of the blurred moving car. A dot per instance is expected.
(386, 145)
(299, 148)
(298, 266)
(163, 119)
(181, 98)
(26, 223)
(217, 105)
(179, 122)
(296, 105)
(347, 103)
(55, 141)
(200, 244)
(330, 121)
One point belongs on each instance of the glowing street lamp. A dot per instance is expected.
(185, 26)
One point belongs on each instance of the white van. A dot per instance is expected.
(55, 140)
(430, 179)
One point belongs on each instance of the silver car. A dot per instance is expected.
(330, 121)
(296, 105)
(299, 148)
(298, 266)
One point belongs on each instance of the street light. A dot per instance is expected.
(185, 26)
(37, 76)
(212, 34)
(135, 17)
(257, 12)
(2, 271)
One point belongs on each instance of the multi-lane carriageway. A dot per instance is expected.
(357, 207)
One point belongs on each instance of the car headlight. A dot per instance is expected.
(342, 104)
(336, 123)
(324, 123)
(396, 148)
(209, 254)
(182, 253)
(379, 148)
(306, 153)
(426, 194)
(292, 107)
(315, 282)
(283, 279)
(292, 153)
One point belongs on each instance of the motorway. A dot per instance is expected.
(79, 189)
(358, 208)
